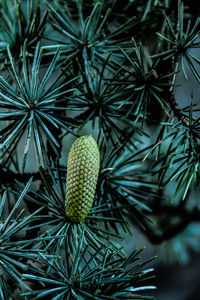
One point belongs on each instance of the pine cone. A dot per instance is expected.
(82, 175)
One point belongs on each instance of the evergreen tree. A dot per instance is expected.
(101, 73)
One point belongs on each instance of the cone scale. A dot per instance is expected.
(82, 174)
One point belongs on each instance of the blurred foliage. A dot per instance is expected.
(181, 248)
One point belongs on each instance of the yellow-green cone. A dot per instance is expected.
(82, 175)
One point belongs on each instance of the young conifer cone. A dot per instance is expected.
(82, 175)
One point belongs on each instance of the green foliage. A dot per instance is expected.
(86, 40)
(142, 83)
(124, 181)
(180, 248)
(91, 279)
(110, 69)
(101, 100)
(32, 106)
(18, 26)
(14, 253)
(52, 198)
(182, 153)
(86, 261)
(180, 40)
